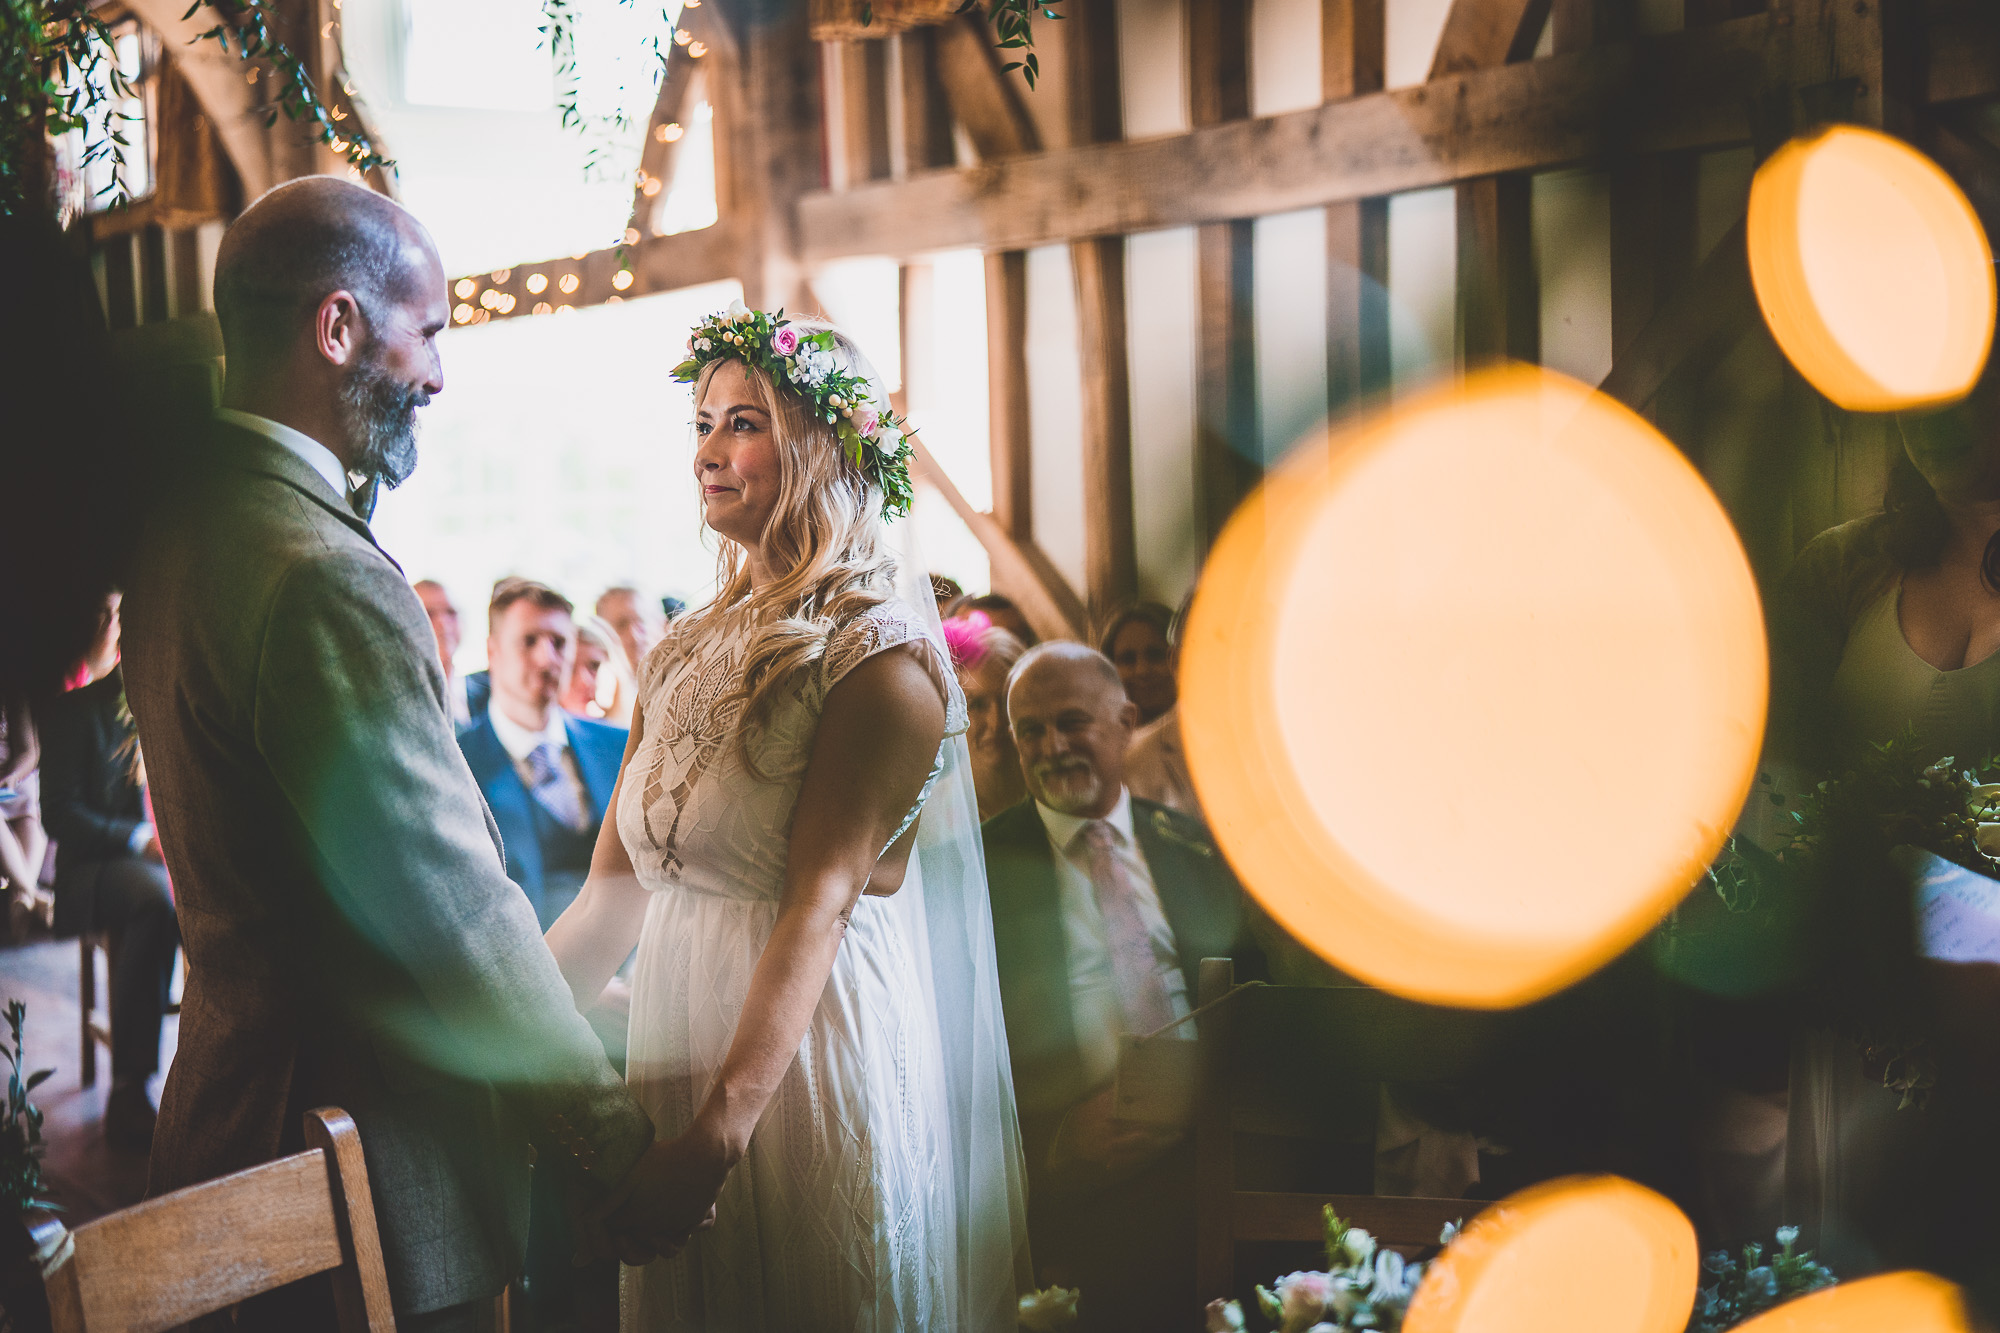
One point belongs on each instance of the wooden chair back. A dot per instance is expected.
(201, 1249)
(1298, 1062)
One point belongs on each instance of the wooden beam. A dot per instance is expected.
(220, 80)
(1020, 570)
(1498, 312)
(980, 95)
(1681, 90)
(776, 134)
(1352, 37)
(1699, 318)
(1964, 57)
(657, 264)
(1499, 299)
(1227, 456)
(919, 115)
(856, 80)
(1009, 441)
(1111, 561)
(657, 154)
(1481, 34)
(1652, 239)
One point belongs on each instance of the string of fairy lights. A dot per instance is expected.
(483, 297)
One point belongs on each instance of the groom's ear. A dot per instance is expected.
(338, 328)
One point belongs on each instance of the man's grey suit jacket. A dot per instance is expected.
(352, 937)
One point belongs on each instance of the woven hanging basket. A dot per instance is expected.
(840, 20)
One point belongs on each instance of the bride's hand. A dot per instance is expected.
(670, 1193)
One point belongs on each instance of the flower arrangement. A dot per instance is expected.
(1749, 1286)
(1837, 890)
(873, 438)
(1364, 1287)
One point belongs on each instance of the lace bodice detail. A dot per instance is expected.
(692, 814)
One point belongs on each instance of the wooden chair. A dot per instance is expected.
(201, 1249)
(95, 1029)
(1298, 1063)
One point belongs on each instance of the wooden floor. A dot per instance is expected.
(86, 1175)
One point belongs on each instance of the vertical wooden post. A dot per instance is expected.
(1097, 266)
(919, 116)
(857, 111)
(1227, 457)
(1498, 309)
(1007, 379)
(1357, 232)
(773, 129)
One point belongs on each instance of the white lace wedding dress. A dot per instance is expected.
(842, 1215)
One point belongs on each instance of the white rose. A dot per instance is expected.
(1224, 1317)
(1358, 1246)
(702, 344)
(737, 310)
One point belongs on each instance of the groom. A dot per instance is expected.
(352, 938)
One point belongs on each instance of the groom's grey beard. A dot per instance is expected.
(381, 415)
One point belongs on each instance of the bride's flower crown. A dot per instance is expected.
(871, 436)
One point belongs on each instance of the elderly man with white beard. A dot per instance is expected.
(1103, 908)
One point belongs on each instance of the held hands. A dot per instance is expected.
(668, 1195)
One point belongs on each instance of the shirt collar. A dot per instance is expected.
(1064, 828)
(518, 741)
(316, 455)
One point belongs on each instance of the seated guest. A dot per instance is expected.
(597, 647)
(1001, 612)
(637, 629)
(547, 775)
(443, 615)
(1156, 766)
(111, 877)
(23, 843)
(983, 654)
(1139, 643)
(1103, 908)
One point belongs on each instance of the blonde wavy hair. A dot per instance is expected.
(823, 541)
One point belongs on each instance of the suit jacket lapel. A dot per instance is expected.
(256, 453)
(1180, 878)
(597, 783)
(506, 795)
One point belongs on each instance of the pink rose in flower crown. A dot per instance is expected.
(785, 341)
(865, 421)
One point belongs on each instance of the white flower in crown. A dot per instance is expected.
(814, 364)
(702, 344)
(737, 310)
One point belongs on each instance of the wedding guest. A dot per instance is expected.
(983, 654)
(1885, 625)
(1002, 612)
(1156, 766)
(546, 774)
(1103, 908)
(23, 842)
(1138, 642)
(632, 620)
(597, 651)
(111, 877)
(947, 592)
(443, 614)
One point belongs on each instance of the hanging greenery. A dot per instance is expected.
(1014, 25)
(59, 73)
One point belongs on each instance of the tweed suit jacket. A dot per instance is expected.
(1198, 895)
(351, 935)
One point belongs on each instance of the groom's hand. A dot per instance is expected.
(667, 1196)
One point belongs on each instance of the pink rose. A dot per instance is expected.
(785, 341)
(865, 421)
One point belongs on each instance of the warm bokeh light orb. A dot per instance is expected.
(1474, 693)
(1872, 270)
(1906, 1302)
(1586, 1254)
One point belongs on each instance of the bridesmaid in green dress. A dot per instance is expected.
(1888, 623)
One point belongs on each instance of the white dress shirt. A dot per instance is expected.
(519, 742)
(1093, 990)
(316, 455)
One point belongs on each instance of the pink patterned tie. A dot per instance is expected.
(1134, 965)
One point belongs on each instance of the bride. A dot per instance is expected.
(816, 1025)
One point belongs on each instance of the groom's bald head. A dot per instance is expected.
(303, 241)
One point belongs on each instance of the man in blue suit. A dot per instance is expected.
(546, 774)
